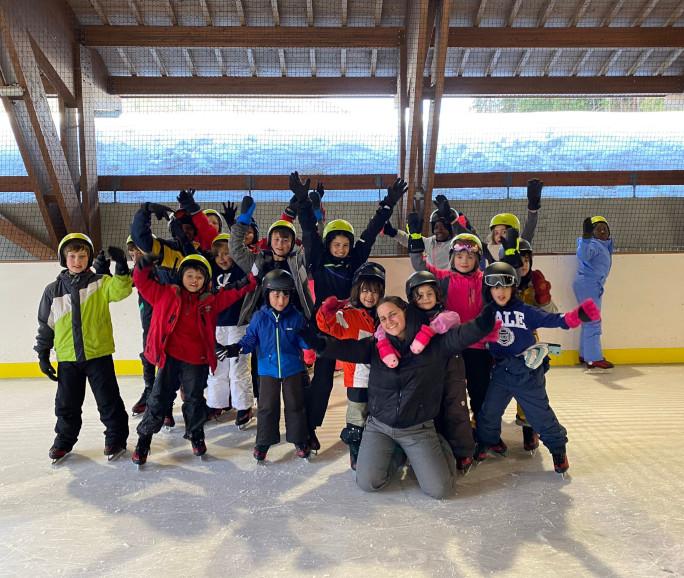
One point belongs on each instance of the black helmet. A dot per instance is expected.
(369, 270)
(417, 279)
(498, 274)
(435, 217)
(524, 248)
(277, 280)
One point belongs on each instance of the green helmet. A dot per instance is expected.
(599, 219)
(508, 219)
(338, 227)
(195, 261)
(71, 238)
(221, 237)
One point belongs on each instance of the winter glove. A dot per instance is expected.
(309, 333)
(414, 224)
(247, 208)
(389, 230)
(45, 365)
(229, 210)
(394, 193)
(486, 319)
(587, 228)
(319, 189)
(148, 260)
(119, 257)
(101, 264)
(542, 288)
(510, 244)
(223, 352)
(300, 190)
(186, 200)
(315, 198)
(290, 212)
(443, 208)
(388, 354)
(444, 321)
(534, 190)
(422, 338)
(159, 211)
(585, 312)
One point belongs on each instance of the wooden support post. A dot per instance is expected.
(85, 89)
(25, 240)
(68, 134)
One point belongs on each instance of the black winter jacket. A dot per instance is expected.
(411, 393)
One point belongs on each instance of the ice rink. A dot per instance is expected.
(619, 513)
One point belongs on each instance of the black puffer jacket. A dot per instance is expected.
(411, 393)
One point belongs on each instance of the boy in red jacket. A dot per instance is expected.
(181, 343)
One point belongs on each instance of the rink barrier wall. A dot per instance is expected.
(643, 311)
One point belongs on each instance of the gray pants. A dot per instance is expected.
(429, 454)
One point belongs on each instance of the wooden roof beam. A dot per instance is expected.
(609, 62)
(665, 65)
(513, 13)
(546, 14)
(343, 62)
(309, 13)
(645, 12)
(638, 63)
(221, 61)
(580, 62)
(102, 15)
(283, 65)
(241, 12)
(615, 8)
(344, 11)
(190, 62)
(552, 61)
(25, 240)
(172, 13)
(275, 12)
(373, 61)
(252, 62)
(522, 62)
(133, 5)
(492, 63)
(377, 17)
(676, 14)
(464, 62)
(158, 61)
(209, 21)
(579, 12)
(312, 62)
(241, 36)
(480, 12)
(127, 62)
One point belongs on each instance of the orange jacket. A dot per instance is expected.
(349, 323)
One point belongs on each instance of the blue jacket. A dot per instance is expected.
(519, 322)
(595, 258)
(275, 337)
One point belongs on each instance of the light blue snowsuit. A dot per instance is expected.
(595, 259)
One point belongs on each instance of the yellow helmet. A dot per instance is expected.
(69, 239)
(129, 239)
(216, 214)
(281, 224)
(463, 240)
(338, 226)
(508, 219)
(194, 260)
(221, 237)
(599, 219)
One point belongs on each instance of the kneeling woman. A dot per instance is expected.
(404, 401)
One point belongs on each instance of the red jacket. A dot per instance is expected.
(166, 305)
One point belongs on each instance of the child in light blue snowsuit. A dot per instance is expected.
(594, 255)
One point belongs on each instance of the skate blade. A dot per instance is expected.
(59, 460)
(597, 371)
(115, 456)
(244, 426)
(532, 452)
(167, 429)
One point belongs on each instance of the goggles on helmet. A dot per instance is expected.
(500, 280)
(470, 247)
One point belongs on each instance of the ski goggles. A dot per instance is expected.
(470, 247)
(499, 280)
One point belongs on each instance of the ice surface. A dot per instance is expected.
(619, 514)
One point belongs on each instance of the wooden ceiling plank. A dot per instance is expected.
(645, 12)
(513, 13)
(275, 12)
(579, 12)
(480, 12)
(639, 62)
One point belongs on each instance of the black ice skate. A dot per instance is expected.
(463, 465)
(199, 447)
(314, 444)
(57, 454)
(114, 451)
(561, 464)
(259, 453)
(244, 418)
(139, 407)
(499, 448)
(169, 423)
(530, 439)
(142, 450)
(302, 450)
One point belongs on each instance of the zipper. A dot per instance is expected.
(277, 332)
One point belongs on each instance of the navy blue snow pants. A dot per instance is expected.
(511, 378)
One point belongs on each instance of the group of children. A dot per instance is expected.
(209, 298)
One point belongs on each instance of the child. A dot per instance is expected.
(74, 318)
(214, 218)
(332, 259)
(232, 379)
(273, 333)
(594, 255)
(463, 282)
(181, 344)
(504, 221)
(518, 371)
(355, 320)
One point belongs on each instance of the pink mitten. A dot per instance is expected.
(331, 305)
(587, 311)
(445, 321)
(389, 355)
(422, 338)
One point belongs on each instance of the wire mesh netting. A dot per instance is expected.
(145, 149)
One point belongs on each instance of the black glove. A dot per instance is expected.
(511, 248)
(443, 207)
(119, 257)
(159, 211)
(226, 351)
(46, 366)
(394, 193)
(239, 284)
(147, 260)
(177, 232)
(389, 230)
(310, 334)
(291, 209)
(414, 223)
(486, 319)
(229, 211)
(101, 264)
(300, 190)
(319, 189)
(534, 189)
(587, 228)
(315, 198)
(266, 266)
(186, 200)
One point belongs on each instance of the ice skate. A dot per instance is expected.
(314, 444)
(244, 418)
(142, 450)
(139, 407)
(259, 453)
(499, 448)
(169, 424)
(561, 464)
(530, 440)
(213, 413)
(463, 465)
(114, 451)
(57, 454)
(601, 366)
(199, 447)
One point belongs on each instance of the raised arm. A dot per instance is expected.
(459, 338)
(238, 251)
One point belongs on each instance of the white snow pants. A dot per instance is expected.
(232, 380)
